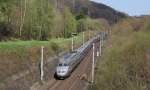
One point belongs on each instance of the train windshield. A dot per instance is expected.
(65, 65)
(62, 64)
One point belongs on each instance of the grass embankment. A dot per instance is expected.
(125, 63)
(21, 55)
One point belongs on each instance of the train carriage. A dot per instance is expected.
(70, 61)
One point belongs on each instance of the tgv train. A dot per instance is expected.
(70, 61)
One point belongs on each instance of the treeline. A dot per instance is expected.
(133, 24)
(40, 20)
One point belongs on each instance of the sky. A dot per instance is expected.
(130, 7)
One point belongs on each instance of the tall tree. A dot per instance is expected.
(23, 14)
(69, 22)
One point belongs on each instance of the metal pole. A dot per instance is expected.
(83, 38)
(74, 2)
(100, 47)
(102, 41)
(89, 34)
(41, 66)
(72, 44)
(93, 62)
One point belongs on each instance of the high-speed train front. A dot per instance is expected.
(62, 70)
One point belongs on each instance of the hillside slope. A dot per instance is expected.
(98, 10)
(125, 61)
(95, 10)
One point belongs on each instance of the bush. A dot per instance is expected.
(5, 31)
(55, 47)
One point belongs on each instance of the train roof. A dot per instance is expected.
(67, 58)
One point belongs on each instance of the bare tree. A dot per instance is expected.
(23, 14)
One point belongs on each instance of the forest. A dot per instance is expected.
(41, 20)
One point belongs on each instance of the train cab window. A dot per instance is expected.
(60, 64)
(65, 64)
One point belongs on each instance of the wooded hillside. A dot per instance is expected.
(45, 19)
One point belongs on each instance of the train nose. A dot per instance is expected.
(62, 71)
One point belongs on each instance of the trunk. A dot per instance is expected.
(23, 16)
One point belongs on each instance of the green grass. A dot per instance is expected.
(10, 45)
